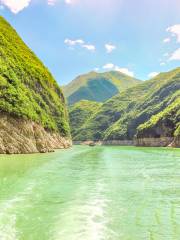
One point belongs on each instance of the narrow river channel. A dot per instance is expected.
(91, 193)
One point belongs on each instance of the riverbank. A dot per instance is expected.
(142, 142)
(20, 136)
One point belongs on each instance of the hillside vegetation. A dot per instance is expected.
(80, 112)
(166, 122)
(27, 89)
(150, 109)
(97, 86)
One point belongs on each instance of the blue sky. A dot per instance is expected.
(72, 37)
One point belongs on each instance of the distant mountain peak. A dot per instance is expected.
(94, 86)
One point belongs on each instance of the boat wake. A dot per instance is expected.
(9, 209)
(87, 219)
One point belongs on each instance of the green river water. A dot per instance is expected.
(84, 193)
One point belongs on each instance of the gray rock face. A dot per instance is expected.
(142, 142)
(24, 136)
(154, 142)
(176, 142)
(119, 142)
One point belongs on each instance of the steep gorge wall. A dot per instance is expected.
(25, 136)
(28, 91)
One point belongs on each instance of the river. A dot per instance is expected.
(91, 193)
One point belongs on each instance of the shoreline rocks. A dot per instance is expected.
(20, 136)
(154, 142)
(141, 142)
(176, 142)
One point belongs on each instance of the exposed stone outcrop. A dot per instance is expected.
(24, 136)
(144, 142)
(175, 142)
(154, 142)
(107, 143)
(118, 142)
(160, 134)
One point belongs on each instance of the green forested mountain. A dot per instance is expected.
(165, 123)
(27, 89)
(150, 109)
(97, 86)
(80, 112)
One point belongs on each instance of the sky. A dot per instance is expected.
(138, 37)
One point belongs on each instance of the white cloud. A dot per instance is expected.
(73, 42)
(14, 5)
(51, 2)
(162, 64)
(89, 47)
(109, 47)
(175, 30)
(175, 55)
(111, 66)
(81, 43)
(96, 69)
(166, 40)
(153, 74)
(69, 1)
(125, 71)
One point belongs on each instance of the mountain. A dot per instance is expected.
(97, 87)
(148, 113)
(165, 123)
(33, 112)
(80, 112)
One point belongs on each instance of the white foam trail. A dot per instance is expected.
(8, 216)
(8, 221)
(95, 210)
(96, 221)
(89, 218)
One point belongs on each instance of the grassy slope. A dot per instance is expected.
(80, 112)
(27, 89)
(120, 117)
(97, 86)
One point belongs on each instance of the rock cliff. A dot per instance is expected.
(25, 136)
(33, 114)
